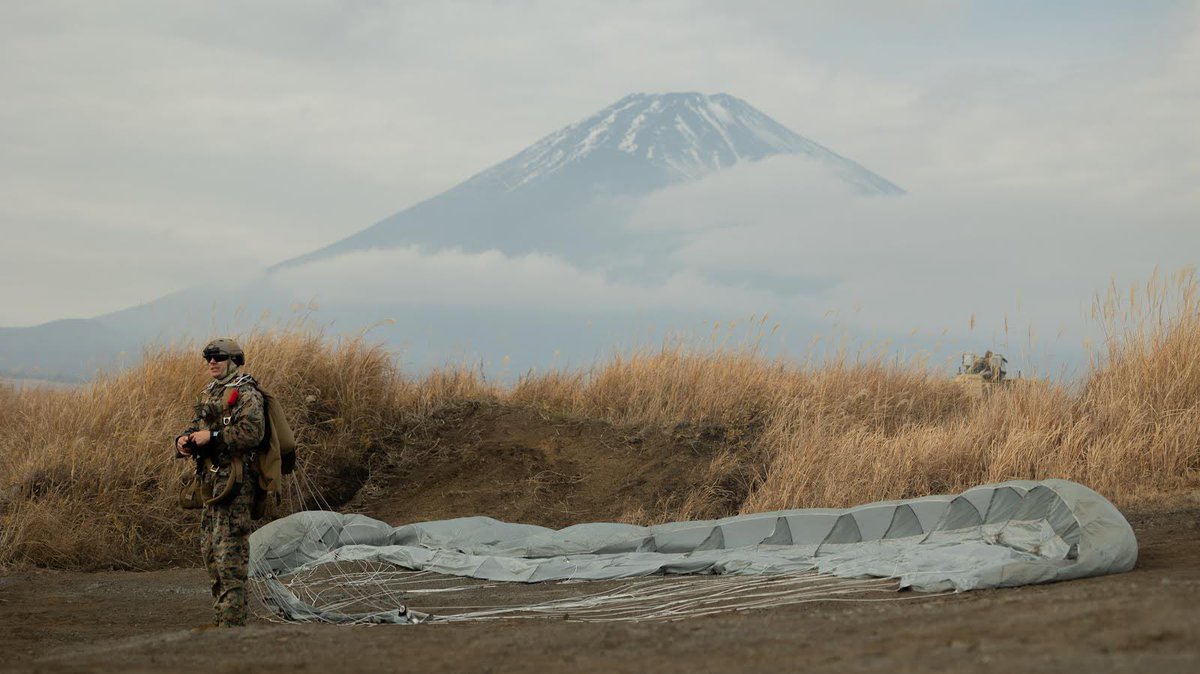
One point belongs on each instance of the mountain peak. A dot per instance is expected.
(686, 135)
(545, 197)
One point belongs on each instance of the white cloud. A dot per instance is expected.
(927, 261)
(408, 277)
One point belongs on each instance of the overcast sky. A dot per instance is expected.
(149, 146)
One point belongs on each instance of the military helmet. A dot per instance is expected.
(223, 346)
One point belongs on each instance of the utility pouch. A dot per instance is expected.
(194, 493)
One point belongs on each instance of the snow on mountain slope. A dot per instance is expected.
(687, 134)
(553, 197)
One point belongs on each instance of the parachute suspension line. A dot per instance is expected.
(268, 591)
(377, 595)
(660, 600)
(370, 592)
(274, 593)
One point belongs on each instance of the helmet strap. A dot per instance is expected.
(231, 371)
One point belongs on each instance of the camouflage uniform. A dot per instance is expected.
(225, 528)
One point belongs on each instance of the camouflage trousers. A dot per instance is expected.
(225, 547)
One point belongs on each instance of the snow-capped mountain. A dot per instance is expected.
(687, 135)
(568, 193)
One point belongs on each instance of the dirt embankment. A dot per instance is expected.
(518, 465)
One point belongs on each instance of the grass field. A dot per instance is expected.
(88, 479)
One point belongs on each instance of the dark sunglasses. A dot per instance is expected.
(216, 357)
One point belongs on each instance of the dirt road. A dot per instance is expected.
(1144, 621)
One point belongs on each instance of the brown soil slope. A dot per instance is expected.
(517, 465)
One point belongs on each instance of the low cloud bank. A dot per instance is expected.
(411, 277)
(925, 261)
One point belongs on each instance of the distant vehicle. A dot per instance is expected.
(981, 375)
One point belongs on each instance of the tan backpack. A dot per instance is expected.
(276, 455)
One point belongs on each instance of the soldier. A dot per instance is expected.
(223, 438)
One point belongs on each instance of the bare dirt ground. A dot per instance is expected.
(518, 466)
(1147, 620)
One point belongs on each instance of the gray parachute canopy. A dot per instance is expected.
(999, 535)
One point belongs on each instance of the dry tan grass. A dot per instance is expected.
(98, 458)
(848, 430)
(1132, 433)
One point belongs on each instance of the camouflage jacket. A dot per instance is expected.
(235, 410)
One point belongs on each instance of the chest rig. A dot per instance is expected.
(216, 411)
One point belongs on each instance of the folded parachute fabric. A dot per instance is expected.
(1013, 533)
